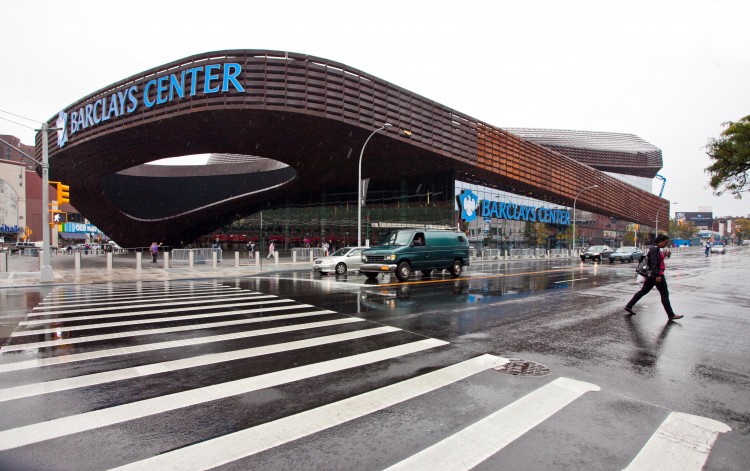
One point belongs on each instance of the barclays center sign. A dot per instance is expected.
(200, 80)
(472, 207)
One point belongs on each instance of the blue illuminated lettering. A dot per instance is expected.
(209, 77)
(193, 81)
(176, 86)
(133, 100)
(161, 90)
(231, 71)
(146, 100)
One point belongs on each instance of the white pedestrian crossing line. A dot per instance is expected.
(166, 330)
(237, 445)
(60, 320)
(156, 301)
(474, 444)
(233, 297)
(111, 352)
(681, 443)
(96, 379)
(38, 432)
(155, 320)
(52, 300)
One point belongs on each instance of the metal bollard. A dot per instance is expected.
(77, 262)
(294, 257)
(214, 259)
(257, 259)
(109, 261)
(138, 259)
(166, 260)
(276, 257)
(237, 259)
(190, 258)
(4, 262)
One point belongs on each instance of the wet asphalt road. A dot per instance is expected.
(294, 371)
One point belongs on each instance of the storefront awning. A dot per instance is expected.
(73, 235)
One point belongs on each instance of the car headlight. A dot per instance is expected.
(391, 257)
(596, 253)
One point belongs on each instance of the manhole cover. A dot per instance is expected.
(518, 367)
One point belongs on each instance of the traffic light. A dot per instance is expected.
(57, 217)
(63, 193)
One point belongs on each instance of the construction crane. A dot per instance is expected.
(663, 182)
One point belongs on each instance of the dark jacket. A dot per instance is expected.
(654, 260)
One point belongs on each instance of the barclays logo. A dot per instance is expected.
(62, 128)
(468, 202)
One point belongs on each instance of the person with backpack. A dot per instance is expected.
(656, 279)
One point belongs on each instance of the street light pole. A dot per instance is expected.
(45, 271)
(574, 213)
(656, 227)
(359, 183)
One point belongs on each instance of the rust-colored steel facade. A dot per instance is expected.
(314, 115)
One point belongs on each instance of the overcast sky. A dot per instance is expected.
(670, 72)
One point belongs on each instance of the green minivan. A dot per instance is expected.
(404, 250)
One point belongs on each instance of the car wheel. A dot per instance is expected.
(426, 272)
(403, 271)
(340, 268)
(456, 268)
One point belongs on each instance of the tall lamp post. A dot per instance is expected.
(45, 270)
(574, 213)
(359, 183)
(656, 227)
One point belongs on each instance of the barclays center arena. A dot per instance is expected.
(287, 134)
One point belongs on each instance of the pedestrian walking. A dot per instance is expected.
(656, 265)
(154, 251)
(708, 249)
(271, 249)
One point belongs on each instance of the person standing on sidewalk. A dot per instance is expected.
(271, 250)
(154, 251)
(656, 264)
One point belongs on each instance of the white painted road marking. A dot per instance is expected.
(95, 379)
(231, 447)
(477, 442)
(111, 352)
(681, 443)
(34, 433)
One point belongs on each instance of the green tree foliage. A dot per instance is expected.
(731, 159)
(686, 230)
(742, 228)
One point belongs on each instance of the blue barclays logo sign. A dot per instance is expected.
(471, 207)
(215, 77)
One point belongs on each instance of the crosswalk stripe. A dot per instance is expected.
(237, 445)
(118, 302)
(75, 357)
(166, 330)
(34, 433)
(477, 442)
(233, 297)
(55, 300)
(152, 312)
(95, 379)
(681, 443)
(154, 320)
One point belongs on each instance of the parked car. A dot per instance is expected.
(596, 252)
(19, 246)
(626, 254)
(340, 261)
(718, 248)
